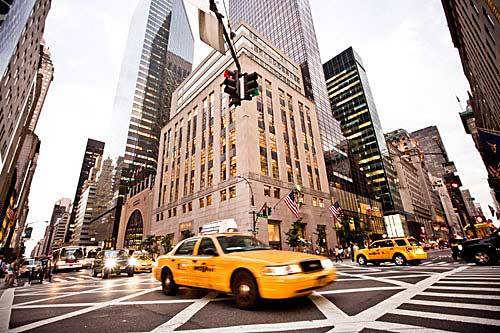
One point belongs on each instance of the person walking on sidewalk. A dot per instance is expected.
(338, 254)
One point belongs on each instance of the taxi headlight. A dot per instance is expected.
(460, 247)
(282, 270)
(110, 263)
(327, 264)
(132, 262)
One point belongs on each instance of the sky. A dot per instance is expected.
(414, 72)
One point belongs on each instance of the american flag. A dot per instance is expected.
(335, 210)
(291, 202)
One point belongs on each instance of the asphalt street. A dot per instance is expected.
(437, 296)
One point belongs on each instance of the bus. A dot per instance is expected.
(68, 257)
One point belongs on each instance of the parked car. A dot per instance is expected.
(482, 251)
(398, 250)
(109, 262)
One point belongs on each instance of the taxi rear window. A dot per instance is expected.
(413, 242)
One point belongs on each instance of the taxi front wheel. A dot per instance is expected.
(168, 284)
(362, 260)
(245, 290)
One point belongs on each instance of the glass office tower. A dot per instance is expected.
(158, 57)
(289, 26)
(353, 106)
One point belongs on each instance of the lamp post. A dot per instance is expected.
(252, 203)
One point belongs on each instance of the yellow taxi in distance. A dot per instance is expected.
(398, 250)
(142, 262)
(240, 264)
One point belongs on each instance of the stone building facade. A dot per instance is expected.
(215, 158)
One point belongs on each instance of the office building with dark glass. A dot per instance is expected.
(353, 106)
(158, 56)
(289, 26)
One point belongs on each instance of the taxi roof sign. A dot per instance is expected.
(218, 227)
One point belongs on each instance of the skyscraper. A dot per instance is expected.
(288, 25)
(21, 31)
(353, 106)
(158, 56)
(93, 151)
(54, 235)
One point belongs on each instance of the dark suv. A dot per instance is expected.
(112, 262)
(482, 251)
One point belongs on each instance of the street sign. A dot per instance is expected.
(211, 31)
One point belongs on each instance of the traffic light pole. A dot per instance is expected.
(213, 7)
(252, 203)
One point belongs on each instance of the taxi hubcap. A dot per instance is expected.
(482, 257)
(244, 289)
(399, 260)
(167, 281)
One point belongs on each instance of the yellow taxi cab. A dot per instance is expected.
(398, 250)
(142, 262)
(240, 264)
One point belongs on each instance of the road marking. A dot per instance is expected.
(442, 316)
(291, 326)
(5, 309)
(452, 278)
(432, 293)
(455, 305)
(408, 276)
(74, 278)
(468, 288)
(379, 279)
(329, 310)
(355, 290)
(182, 317)
(464, 282)
(76, 313)
(396, 300)
(426, 263)
(441, 263)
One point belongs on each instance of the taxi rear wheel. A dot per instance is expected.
(105, 273)
(168, 284)
(481, 257)
(399, 259)
(362, 260)
(245, 290)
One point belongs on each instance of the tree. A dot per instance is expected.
(186, 234)
(294, 235)
(346, 234)
(321, 237)
(149, 244)
(166, 242)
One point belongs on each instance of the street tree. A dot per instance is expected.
(294, 235)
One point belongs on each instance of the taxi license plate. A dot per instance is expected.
(320, 280)
(123, 267)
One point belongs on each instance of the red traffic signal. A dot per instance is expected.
(232, 87)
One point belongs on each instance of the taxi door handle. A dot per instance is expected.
(194, 260)
(173, 260)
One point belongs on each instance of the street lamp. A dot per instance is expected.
(252, 203)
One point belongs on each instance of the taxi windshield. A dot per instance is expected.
(236, 243)
(413, 242)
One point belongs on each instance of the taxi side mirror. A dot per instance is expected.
(210, 252)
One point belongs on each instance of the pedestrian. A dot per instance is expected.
(351, 250)
(338, 254)
(354, 249)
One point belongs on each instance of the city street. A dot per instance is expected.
(437, 296)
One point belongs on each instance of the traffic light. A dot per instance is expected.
(232, 87)
(269, 211)
(479, 219)
(250, 86)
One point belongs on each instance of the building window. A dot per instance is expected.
(223, 195)
(190, 206)
(314, 201)
(174, 211)
(223, 171)
(232, 192)
(321, 203)
(184, 209)
(277, 192)
(209, 200)
(202, 202)
(267, 190)
(233, 166)
(169, 213)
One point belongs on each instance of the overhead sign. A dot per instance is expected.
(211, 31)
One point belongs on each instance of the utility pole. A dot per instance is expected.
(252, 203)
